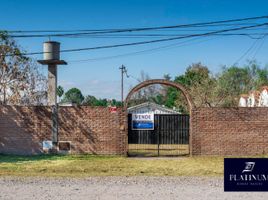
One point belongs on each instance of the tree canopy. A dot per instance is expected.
(73, 95)
(207, 89)
(20, 79)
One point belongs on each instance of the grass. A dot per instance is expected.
(164, 149)
(90, 165)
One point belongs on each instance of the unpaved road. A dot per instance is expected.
(128, 188)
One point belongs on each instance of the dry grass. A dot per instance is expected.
(164, 149)
(89, 165)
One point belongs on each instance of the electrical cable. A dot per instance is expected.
(148, 42)
(179, 44)
(246, 52)
(159, 27)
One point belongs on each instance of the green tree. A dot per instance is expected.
(103, 102)
(234, 81)
(90, 101)
(116, 103)
(60, 91)
(93, 101)
(73, 95)
(199, 82)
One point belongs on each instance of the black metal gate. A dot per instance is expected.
(170, 137)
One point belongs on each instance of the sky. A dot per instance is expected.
(101, 77)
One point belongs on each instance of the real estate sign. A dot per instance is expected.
(142, 121)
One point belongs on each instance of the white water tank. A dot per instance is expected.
(51, 50)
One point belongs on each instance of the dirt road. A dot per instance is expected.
(184, 188)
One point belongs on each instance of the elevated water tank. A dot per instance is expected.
(51, 50)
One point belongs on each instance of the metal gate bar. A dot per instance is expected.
(169, 137)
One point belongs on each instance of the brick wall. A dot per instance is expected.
(92, 130)
(22, 129)
(230, 131)
(215, 131)
(89, 129)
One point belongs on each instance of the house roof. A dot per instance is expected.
(153, 105)
(264, 88)
(255, 93)
(244, 95)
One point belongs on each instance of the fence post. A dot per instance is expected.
(158, 138)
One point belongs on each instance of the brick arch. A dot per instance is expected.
(180, 87)
(161, 82)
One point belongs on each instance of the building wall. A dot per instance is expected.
(89, 129)
(263, 102)
(242, 102)
(230, 131)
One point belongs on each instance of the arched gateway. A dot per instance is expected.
(165, 121)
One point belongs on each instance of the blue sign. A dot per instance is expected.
(142, 121)
(245, 174)
(142, 125)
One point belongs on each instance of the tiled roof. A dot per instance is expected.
(255, 93)
(264, 88)
(244, 95)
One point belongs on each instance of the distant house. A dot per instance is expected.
(66, 104)
(149, 108)
(255, 98)
(243, 100)
(263, 100)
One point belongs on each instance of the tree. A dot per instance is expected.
(73, 95)
(90, 101)
(199, 82)
(149, 93)
(234, 81)
(20, 79)
(60, 91)
(116, 103)
(93, 101)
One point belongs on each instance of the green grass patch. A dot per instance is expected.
(91, 165)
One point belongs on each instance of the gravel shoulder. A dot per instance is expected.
(119, 188)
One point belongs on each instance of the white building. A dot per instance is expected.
(263, 99)
(253, 99)
(243, 100)
(151, 108)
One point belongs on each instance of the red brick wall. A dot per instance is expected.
(89, 129)
(215, 131)
(230, 131)
(92, 130)
(22, 129)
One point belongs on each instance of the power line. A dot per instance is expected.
(150, 41)
(248, 50)
(206, 24)
(260, 46)
(178, 44)
(151, 28)
(130, 76)
(133, 36)
(134, 78)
